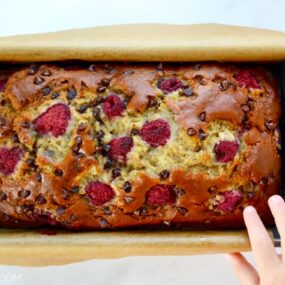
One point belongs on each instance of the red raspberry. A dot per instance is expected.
(230, 200)
(113, 106)
(120, 147)
(156, 133)
(99, 193)
(226, 150)
(170, 84)
(245, 78)
(161, 194)
(9, 157)
(54, 120)
(45, 219)
(3, 85)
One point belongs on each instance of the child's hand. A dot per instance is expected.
(270, 265)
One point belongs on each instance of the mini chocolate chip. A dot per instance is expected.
(96, 113)
(160, 67)
(129, 199)
(71, 94)
(191, 132)
(135, 132)
(202, 116)
(101, 89)
(46, 72)
(233, 85)
(60, 210)
(105, 82)
(116, 172)
(100, 134)
(24, 193)
(33, 69)
(15, 138)
(143, 211)
(38, 80)
(98, 101)
(30, 162)
(224, 85)
(3, 122)
(58, 172)
(264, 181)
(107, 211)
(79, 155)
(182, 210)
(212, 189)
(246, 125)
(269, 125)
(72, 218)
(65, 193)
(105, 149)
(82, 108)
(26, 125)
(109, 163)
(81, 127)
(164, 174)
(78, 140)
(54, 95)
(3, 102)
(197, 148)
(127, 187)
(103, 223)
(3, 196)
(38, 177)
(197, 67)
(75, 189)
(179, 192)
(187, 92)
(245, 107)
(152, 102)
(108, 68)
(250, 103)
(92, 67)
(46, 91)
(202, 135)
(75, 149)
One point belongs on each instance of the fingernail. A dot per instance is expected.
(275, 199)
(248, 210)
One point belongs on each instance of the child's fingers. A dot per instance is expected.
(243, 269)
(277, 207)
(262, 246)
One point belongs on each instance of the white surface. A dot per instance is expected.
(31, 16)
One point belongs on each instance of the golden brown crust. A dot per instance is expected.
(250, 114)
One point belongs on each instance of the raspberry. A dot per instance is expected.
(9, 157)
(161, 194)
(113, 106)
(245, 78)
(170, 84)
(54, 120)
(226, 150)
(230, 200)
(120, 147)
(45, 219)
(2, 85)
(156, 133)
(99, 193)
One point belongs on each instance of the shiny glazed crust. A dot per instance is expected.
(123, 145)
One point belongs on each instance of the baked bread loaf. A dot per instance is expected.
(137, 145)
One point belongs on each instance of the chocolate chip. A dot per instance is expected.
(30, 162)
(245, 108)
(224, 85)
(152, 102)
(109, 163)
(191, 132)
(129, 199)
(197, 67)
(24, 193)
(135, 132)
(105, 149)
(78, 140)
(98, 101)
(58, 172)
(46, 72)
(182, 210)
(15, 138)
(141, 211)
(38, 80)
(81, 127)
(3, 122)
(96, 113)
(71, 94)
(72, 218)
(82, 108)
(65, 193)
(160, 67)
(75, 189)
(164, 174)
(101, 89)
(212, 189)
(179, 192)
(202, 135)
(54, 95)
(108, 68)
(103, 223)
(75, 149)
(127, 187)
(26, 125)
(46, 91)
(250, 103)
(264, 181)
(246, 125)
(92, 67)
(107, 211)
(116, 172)
(60, 210)
(3, 196)
(202, 116)
(188, 92)
(105, 82)
(197, 148)
(79, 155)
(41, 200)
(33, 69)
(100, 134)
(38, 177)
(269, 125)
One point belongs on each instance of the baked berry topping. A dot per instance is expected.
(170, 84)
(120, 147)
(53, 121)
(160, 195)
(156, 133)
(226, 150)
(244, 78)
(99, 193)
(230, 200)
(113, 106)
(2, 85)
(9, 158)
(45, 219)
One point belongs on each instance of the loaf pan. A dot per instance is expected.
(142, 42)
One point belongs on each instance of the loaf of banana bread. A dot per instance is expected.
(122, 145)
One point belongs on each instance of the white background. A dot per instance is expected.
(31, 16)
